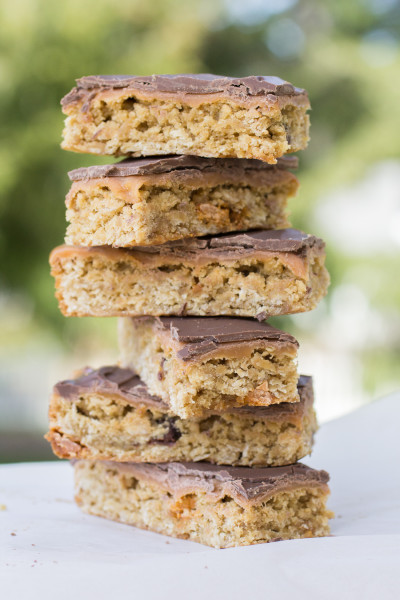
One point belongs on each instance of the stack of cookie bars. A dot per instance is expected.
(198, 430)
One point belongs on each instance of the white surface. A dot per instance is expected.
(58, 552)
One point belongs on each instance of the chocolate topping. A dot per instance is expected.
(201, 335)
(186, 83)
(236, 244)
(109, 381)
(219, 329)
(166, 164)
(125, 384)
(245, 484)
(222, 247)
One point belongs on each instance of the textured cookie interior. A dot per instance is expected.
(261, 375)
(103, 490)
(102, 283)
(122, 122)
(96, 426)
(99, 216)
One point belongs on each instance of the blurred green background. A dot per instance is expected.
(346, 54)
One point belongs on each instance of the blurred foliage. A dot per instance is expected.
(345, 54)
(44, 46)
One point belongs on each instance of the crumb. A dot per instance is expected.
(12, 533)
(3, 507)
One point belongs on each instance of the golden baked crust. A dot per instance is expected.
(109, 490)
(136, 121)
(153, 209)
(164, 281)
(92, 418)
(255, 372)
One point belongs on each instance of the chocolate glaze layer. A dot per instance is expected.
(248, 485)
(154, 165)
(222, 247)
(231, 245)
(125, 384)
(186, 83)
(219, 329)
(110, 380)
(202, 335)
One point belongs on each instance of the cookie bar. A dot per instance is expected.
(216, 506)
(198, 365)
(147, 201)
(108, 414)
(203, 115)
(252, 274)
